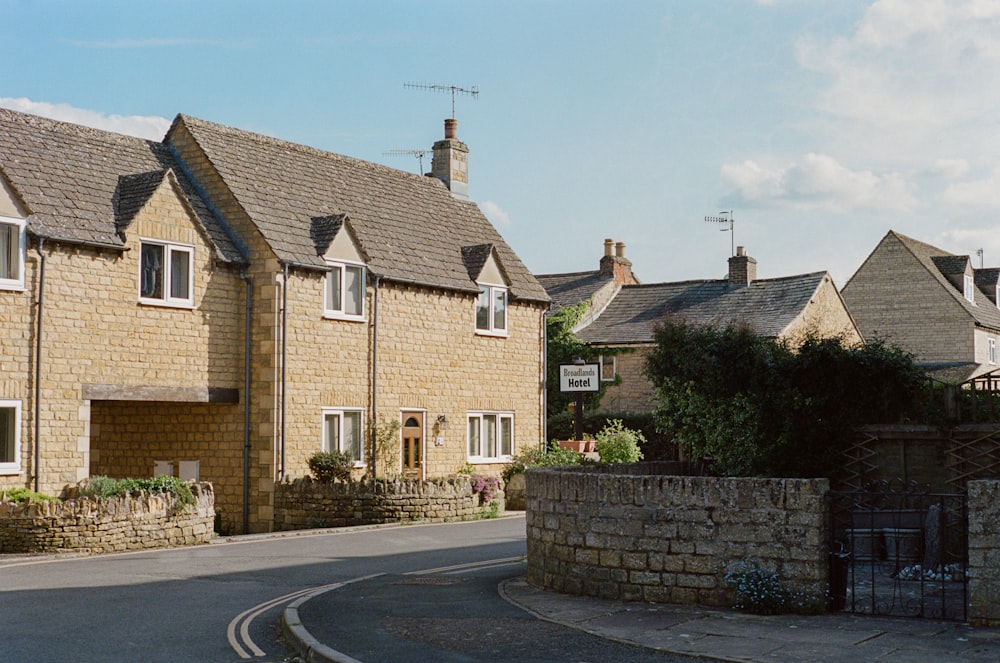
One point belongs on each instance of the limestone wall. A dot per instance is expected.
(626, 532)
(984, 552)
(107, 525)
(306, 504)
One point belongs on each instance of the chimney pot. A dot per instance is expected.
(741, 251)
(609, 247)
(450, 128)
(620, 249)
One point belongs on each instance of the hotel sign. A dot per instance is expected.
(579, 377)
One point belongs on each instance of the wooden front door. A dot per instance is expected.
(413, 445)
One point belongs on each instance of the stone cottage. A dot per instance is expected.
(220, 305)
(624, 313)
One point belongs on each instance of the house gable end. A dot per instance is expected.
(10, 205)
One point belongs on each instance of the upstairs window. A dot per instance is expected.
(12, 247)
(166, 272)
(10, 437)
(491, 310)
(491, 437)
(993, 351)
(970, 289)
(342, 432)
(609, 368)
(344, 292)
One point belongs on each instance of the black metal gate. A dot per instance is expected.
(899, 550)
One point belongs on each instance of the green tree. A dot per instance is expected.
(761, 407)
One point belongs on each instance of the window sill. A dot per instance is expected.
(493, 334)
(12, 287)
(488, 461)
(327, 315)
(9, 471)
(187, 306)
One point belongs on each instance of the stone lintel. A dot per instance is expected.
(114, 392)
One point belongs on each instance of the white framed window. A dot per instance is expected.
(10, 437)
(491, 310)
(342, 431)
(490, 437)
(970, 289)
(344, 291)
(997, 296)
(609, 367)
(166, 273)
(993, 351)
(12, 248)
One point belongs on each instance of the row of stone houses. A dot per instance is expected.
(220, 305)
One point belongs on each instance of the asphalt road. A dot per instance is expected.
(221, 602)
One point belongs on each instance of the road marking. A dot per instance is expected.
(238, 630)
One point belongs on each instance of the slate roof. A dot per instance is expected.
(570, 289)
(984, 312)
(69, 179)
(768, 306)
(410, 227)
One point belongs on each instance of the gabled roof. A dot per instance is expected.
(68, 177)
(570, 289)
(409, 226)
(768, 306)
(935, 260)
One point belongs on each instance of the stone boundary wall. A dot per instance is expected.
(99, 525)
(626, 532)
(307, 504)
(984, 552)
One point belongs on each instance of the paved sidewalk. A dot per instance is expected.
(727, 635)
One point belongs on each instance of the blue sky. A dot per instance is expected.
(821, 123)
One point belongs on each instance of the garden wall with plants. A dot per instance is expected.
(632, 532)
(93, 524)
(308, 504)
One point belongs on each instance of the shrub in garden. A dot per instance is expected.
(102, 486)
(330, 466)
(23, 495)
(551, 456)
(617, 444)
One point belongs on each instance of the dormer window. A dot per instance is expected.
(344, 291)
(12, 247)
(491, 310)
(166, 273)
(970, 289)
(997, 296)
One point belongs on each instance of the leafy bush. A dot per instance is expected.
(330, 466)
(23, 495)
(617, 444)
(552, 456)
(102, 486)
(655, 445)
(761, 591)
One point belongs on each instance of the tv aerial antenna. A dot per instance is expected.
(453, 89)
(729, 220)
(420, 154)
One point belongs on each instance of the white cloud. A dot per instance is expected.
(818, 181)
(144, 126)
(978, 193)
(950, 168)
(495, 213)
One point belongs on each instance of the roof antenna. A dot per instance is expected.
(409, 153)
(454, 89)
(727, 218)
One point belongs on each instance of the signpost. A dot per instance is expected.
(579, 378)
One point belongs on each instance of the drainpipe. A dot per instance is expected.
(284, 363)
(545, 379)
(38, 362)
(247, 364)
(374, 422)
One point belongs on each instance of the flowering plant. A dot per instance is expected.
(761, 591)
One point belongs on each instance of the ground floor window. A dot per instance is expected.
(342, 432)
(10, 437)
(491, 436)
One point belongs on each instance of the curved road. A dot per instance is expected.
(221, 602)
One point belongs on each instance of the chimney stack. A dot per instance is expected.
(742, 268)
(615, 264)
(450, 163)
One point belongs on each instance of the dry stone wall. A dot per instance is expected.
(984, 552)
(107, 525)
(626, 532)
(307, 504)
